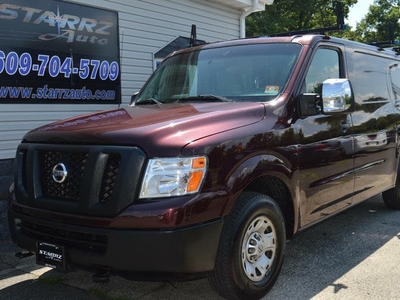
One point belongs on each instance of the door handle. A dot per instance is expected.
(344, 126)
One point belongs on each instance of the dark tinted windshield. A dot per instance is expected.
(257, 72)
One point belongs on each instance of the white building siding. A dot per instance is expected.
(145, 27)
(16, 120)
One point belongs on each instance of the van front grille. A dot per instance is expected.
(79, 179)
(70, 187)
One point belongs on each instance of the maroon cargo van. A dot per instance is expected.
(228, 151)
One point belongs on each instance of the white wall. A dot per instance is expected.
(145, 27)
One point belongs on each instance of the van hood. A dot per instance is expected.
(159, 130)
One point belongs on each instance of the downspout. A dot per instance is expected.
(243, 16)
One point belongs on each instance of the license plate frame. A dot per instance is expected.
(51, 255)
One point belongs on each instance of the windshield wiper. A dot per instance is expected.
(148, 101)
(207, 97)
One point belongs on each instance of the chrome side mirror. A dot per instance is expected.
(337, 95)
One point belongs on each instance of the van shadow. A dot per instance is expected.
(315, 261)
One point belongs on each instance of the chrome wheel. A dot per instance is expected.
(259, 248)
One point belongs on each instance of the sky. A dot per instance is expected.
(358, 11)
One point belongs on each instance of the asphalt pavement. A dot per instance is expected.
(355, 255)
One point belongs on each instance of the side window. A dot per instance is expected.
(325, 65)
(370, 78)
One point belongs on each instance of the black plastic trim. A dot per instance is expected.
(125, 191)
(189, 250)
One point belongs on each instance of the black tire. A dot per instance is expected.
(239, 238)
(391, 197)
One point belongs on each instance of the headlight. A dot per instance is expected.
(166, 177)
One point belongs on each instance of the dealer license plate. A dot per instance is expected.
(50, 255)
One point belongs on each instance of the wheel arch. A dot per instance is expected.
(276, 189)
(270, 175)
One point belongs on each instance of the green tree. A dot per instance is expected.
(291, 15)
(375, 25)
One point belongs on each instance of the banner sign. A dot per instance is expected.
(58, 52)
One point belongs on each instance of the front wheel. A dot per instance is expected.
(251, 249)
(391, 197)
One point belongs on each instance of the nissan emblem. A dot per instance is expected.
(59, 173)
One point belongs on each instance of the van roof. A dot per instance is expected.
(307, 39)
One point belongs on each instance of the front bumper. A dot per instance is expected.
(185, 251)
